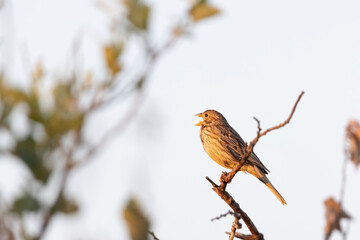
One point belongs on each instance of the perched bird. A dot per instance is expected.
(223, 144)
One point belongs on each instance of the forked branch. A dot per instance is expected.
(226, 178)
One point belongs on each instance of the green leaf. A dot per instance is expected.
(32, 155)
(138, 14)
(137, 222)
(202, 10)
(26, 203)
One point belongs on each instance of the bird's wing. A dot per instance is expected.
(235, 143)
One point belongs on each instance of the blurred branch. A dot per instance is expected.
(334, 211)
(152, 55)
(153, 235)
(116, 129)
(73, 100)
(343, 177)
(51, 211)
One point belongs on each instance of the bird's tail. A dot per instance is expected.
(275, 192)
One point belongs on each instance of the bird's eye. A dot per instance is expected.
(206, 114)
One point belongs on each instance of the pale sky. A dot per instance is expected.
(253, 60)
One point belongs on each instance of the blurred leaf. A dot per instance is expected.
(67, 116)
(32, 155)
(11, 95)
(65, 206)
(334, 213)
(112, 53)
(38, 72)
(26, 203)
(88, 81)
(201, 10)
(35, 112)
(136, 221)
(138, 14)
(353, 134)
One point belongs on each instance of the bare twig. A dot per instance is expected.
(116, 129)
(235, 225)
(222, 215)
(153, 235)
(50, 212)
(249, 149)
(242, 236)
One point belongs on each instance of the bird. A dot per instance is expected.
(224, 145)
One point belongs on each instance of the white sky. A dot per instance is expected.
(253, 60)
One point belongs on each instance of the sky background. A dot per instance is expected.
(252, 60)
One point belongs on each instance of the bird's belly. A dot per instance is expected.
(220, 156)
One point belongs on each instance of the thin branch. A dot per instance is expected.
(222, 215)
(343, 178)
(249, 149)
(152, 54)
(115, 130)
(153, 235)
(235, 225)
(242, 236)
(287, 121)
(50, 212)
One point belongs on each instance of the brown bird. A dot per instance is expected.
(223, 144)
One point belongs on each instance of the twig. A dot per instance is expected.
(49, 213)
(242, 236)
(222, 215)
(116, 129)
(343, 177)
(345, 232)
(250, 147)
(153, 235)
(235, 225)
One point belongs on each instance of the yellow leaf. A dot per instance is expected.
(137, 223)
(202, 10)
(112, 52)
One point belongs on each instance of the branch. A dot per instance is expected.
(242, 236)
(222, 215)
(235, 225)
(153, 235)
(236, 208)
(50, 212)
(259, 135)
(226, 178)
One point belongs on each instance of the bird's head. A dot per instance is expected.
(210, 117)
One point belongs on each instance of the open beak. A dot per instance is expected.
(201, 122)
